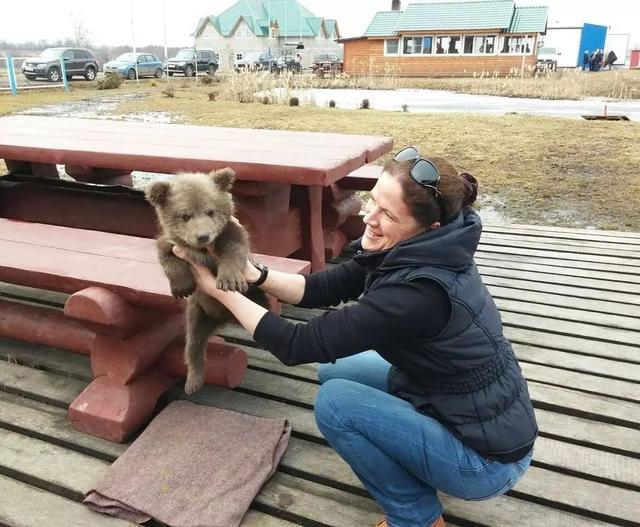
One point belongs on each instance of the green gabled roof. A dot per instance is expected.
(529, 19)
(293, 18)
(384, 23)
(330, 26)
(486, 14)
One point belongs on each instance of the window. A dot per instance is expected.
(78, 54)
(67, 54)
(448, 45)
(412, 45)
(479, 44)
(427, 45)
(217, 57)
(238, 56)
(243, 31)
(517, 45)
(391, 46)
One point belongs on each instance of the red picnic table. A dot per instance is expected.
(288, 183)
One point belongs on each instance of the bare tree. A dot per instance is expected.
(81, 33)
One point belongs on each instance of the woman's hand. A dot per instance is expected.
(202, 275)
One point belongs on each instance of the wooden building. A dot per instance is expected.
(448, 39)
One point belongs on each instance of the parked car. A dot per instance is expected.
(77, 61)
(290, 60)
(256, 60)
(327, 63)
(187, 62)
(548, 59)
(147, 64)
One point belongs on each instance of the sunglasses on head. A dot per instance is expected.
(423, 171)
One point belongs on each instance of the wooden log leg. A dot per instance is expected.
(44, 326)
(124, 359)
(32, 168)
(310, 202)
(112, 410)
(226, 365)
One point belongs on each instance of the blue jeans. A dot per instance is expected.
(401, 456)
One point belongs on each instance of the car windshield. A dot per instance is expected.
(126, 57)
(547, 51)
(185, 54)
(51, 53)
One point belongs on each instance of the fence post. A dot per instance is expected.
(12, 75)
(63, 71)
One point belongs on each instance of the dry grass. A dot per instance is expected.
(546, 170)
(571, 84)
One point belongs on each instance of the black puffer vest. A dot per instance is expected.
(467, 377)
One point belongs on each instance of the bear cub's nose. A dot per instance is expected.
(203, 238)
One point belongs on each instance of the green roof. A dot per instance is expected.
(487, 14)
(464, 15)
(384, 23)
(293, 19)
(529, 19)
(330, 26)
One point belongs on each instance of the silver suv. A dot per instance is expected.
(77, 61)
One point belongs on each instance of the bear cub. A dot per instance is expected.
(195, 211)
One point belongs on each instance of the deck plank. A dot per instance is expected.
(570, 302)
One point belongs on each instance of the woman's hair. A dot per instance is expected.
(457, 191)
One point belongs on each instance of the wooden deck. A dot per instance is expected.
(570, 302)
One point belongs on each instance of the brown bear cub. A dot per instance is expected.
(195, 211)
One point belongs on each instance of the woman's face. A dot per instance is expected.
(387, 219)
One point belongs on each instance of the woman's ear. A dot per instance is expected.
(434, 225)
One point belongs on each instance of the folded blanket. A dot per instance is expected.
(193, 466)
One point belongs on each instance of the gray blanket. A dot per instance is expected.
(193, 466)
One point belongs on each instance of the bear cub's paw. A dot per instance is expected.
(231, 280)
(195, 381)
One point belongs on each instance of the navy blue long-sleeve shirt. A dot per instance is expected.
(386, 314)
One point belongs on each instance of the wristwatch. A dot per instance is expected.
(264, 272)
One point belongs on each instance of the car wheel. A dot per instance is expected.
(131, 74)
(212, 70)
(158, 73)
(54, 74)
(188, 71)
(171, 74)
(90, 73)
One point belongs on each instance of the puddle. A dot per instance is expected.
(492, 209)
(103, 109)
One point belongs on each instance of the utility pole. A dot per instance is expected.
(133, 38)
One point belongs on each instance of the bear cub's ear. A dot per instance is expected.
(157, 193)
(223, 178)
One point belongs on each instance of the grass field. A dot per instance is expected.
(544, 170)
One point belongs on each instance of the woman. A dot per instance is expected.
(441, 404)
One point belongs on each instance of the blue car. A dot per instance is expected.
(125, 65)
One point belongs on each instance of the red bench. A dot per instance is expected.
(120, 312)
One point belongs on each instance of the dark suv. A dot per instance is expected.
(77, 61)
(185, 62)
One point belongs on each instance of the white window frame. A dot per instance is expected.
(516, 53)
(412, 54)
(461, 44)
(496, 45)
(243, 31)
(386, 48)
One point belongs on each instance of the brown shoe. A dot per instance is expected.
(438, 523)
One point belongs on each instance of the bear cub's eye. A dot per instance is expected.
(210, 213)
(185, 217)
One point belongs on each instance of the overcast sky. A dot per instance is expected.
(110, 22)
